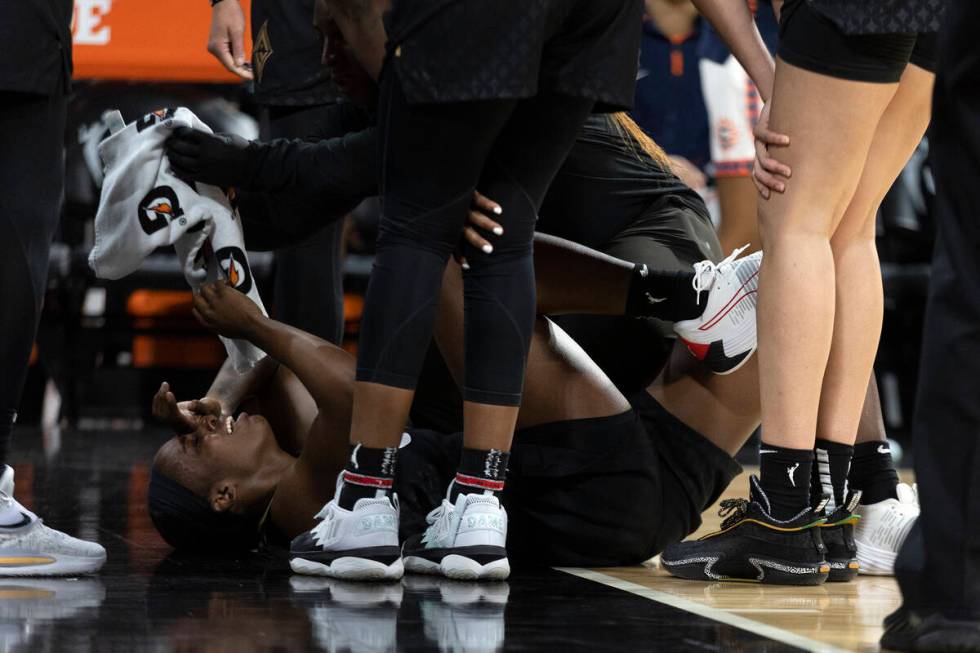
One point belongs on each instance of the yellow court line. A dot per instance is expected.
(722, 616)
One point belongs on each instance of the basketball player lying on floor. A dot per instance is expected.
(224, 484)
(592, 480)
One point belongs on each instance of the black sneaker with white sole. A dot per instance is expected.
(837, 533)
(752, 546)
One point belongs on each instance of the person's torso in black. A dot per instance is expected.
(35, 38)
(605, 185)
(883, 16)
(286, 55)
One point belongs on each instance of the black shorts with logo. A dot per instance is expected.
(595, 492)
(815, 42)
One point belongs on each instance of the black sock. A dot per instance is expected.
(367, 472)
(873, 472)
(8, 416)
(664, 295)
(784, 475)
(830, 473)
(480, 471)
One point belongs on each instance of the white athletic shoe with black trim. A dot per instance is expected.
(358, 544)
(466, 540)
(724, 336)
(29, 548)
(883, 529)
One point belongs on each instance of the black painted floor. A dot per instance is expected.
(148, 599)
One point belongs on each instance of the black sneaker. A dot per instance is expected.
(754, 547)
(934, 633)
(838, 536)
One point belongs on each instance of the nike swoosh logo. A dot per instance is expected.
(655, 300)
(24, 521)
(762, 451)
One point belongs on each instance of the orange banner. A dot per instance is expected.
(147, 40)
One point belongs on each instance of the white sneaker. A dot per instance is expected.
(465, 541)
(882, 530)
(29, 548)
(358, 544)
(724, 337)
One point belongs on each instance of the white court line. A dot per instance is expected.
(777, 634)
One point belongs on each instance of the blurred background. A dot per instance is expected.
(104, 347)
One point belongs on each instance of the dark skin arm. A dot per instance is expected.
(327, 374)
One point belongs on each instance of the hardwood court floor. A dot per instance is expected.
(833, 616)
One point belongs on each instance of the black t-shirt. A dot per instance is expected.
(286, 55)
(604, 185)
(35, 39)
(883, 16)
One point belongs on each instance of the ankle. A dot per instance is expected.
(873, 472)
(480, 471)
(784, 475)
(829, 476)
(369, 473)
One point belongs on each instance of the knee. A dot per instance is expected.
(436, 230)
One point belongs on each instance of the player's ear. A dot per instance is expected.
(223, 496)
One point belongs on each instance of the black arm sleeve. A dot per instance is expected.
(341, 169)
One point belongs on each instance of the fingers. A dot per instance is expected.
(238, 54)
(478, 219)
(221, 49)
(474, 238)
(769, 137)
(487, 205)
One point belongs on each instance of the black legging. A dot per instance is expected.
(32, 173)
(433, 156)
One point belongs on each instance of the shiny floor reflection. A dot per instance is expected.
(149, 599)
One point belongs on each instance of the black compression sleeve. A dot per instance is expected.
(343, 168)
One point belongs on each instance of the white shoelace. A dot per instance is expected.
(439, 521)
(709, 270)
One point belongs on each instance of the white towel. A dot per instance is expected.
(144, 206)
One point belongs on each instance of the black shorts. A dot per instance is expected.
(669, 236)
(814, 42)
(460, 50)
(597, 492)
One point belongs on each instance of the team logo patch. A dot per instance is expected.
(727, 133)
(158, 208)
(261, 51)
(234, 265)
(153, 118)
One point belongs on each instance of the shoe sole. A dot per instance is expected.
(49, 565)
(459, 567)
(350, 568)
(771, 571)
(843, 571)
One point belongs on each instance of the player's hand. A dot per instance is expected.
(768, 173)
(227, 38)
(185, 416)
(477, 232)
(225, 311)
(223, 160)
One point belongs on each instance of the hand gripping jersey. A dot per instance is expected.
(144, 206)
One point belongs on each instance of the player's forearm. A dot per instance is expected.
(324, 369)
(230, 387)
(735, 24)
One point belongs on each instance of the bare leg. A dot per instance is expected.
(724, 409)
(739, 214)
(871, 428)
(857, 323)
(832, 124)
